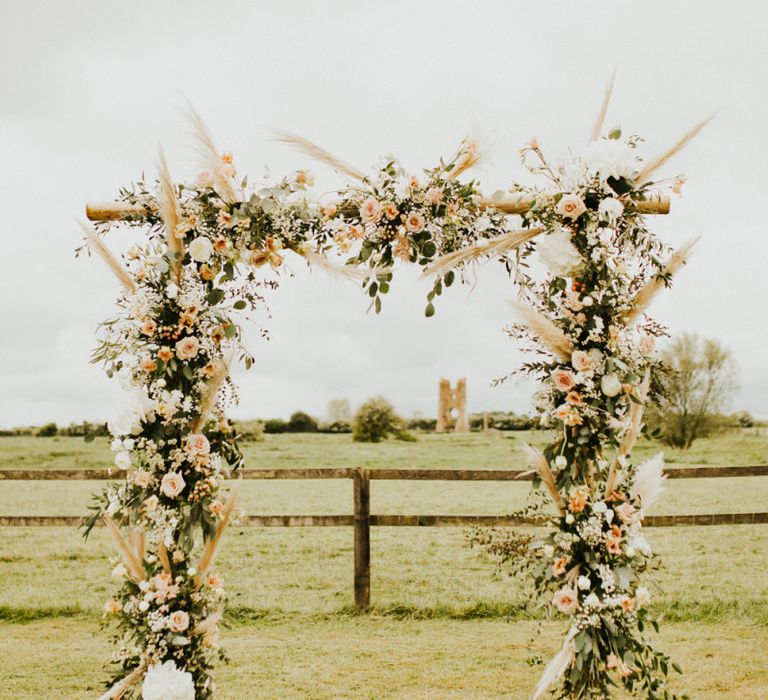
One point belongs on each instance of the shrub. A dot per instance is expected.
(250, 431)
(336, 427)
(301, 422)
(275, 425)
(375, 421)
(424, 425)
(48, 430)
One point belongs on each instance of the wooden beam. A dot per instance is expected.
(362, 537)
(657, 203)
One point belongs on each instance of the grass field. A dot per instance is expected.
(443, 625)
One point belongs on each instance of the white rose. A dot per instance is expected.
(166, 682)
(143, 606)
(642, 596)
(611, 158)
(128, 444)
(610, 385)
(584, 583)
(201, 249)
(610, 209)
(123, 460)
(121, 423)
(549, 550)
(558, 253)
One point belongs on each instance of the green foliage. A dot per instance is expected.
(301, 422)
(275, 425)
(375, 421)
(48, 430)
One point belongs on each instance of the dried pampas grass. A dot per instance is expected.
(649, 481)
(545, 330)
(208, 399)
(656, 163)
(130, 559)
(209, 553)
(500, 245)
(210, 156)
(598, 126)
(558, 665)
(467, 156)
(162, 555)
(631, 434)
(99, 247)
(121, 687)
(540, 465)
(343, 271)
(647, 293)
(170, 213)
(319, 154)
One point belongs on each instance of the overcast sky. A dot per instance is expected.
(89, 89)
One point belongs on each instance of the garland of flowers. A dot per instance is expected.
(171, 344)
(597, 367)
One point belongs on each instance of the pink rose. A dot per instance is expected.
(563, 379)
(626, 513)
(172, 484)
(178, 621)
(187, 348)
(198, 444)
(414, 222)
(370, 211)
(571, 206)
(566, 600)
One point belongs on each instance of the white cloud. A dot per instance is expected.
(90, 89)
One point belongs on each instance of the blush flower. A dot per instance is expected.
(582, 361)
(563, 379)
(178, 621)
(414, 222)
(198, 444)
(566, 600)
(370, 211)
(610, 385)
(558, 567)
(571, 206)
(172, 484)
(187, 348)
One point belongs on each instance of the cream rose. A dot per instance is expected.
(123, 460)
(610, 209)
(187, 348)
(178, 621)
(370, 211)
(172, 484)
(563, 379)
(201, 249)
(582, 361)
(610, 385)
(414, 222)
(142, 479)
(571, 206)
(558, 253)
(566, 600)
(198, 444)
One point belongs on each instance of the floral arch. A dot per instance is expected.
(176, 333)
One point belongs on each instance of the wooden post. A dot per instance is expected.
(362, 528)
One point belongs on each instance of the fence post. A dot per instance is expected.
(362, 528)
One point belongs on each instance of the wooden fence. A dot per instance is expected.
(361, 518)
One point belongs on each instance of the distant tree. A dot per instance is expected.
(376, 420)
(339, 411)
(301, 422)
(48, 430)
(275, 425)
(703, 382)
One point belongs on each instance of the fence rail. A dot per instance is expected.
(361, 519)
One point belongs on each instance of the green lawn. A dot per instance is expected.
(443, 625)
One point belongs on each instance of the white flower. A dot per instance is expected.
(584, 583)
(558, 253)
(561, 462)
(548, 550)
(123, 460)
(611, 158)
(610, 385)
(143, 606)
(166, 682)
(610, 209)
(569, 518)
(201, 249)
(592, 600)
(600, 507)
(173, 290)
(642, 596)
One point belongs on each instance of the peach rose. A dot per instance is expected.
(172, 484)
(112, 607)
(582, 361)
(187, 348)
(165, 353)
(370, 211)
(566, 600)
(148, 365)
(613, 545)
(390, 211)
(577, 501)
(220, 245)
(414, 222)
(148, 327)
(563, 379)
(142, 478)
(216, 507)
(568, 415)
(198, 444)
(355, 231)
(178, 621)
(573, 398)
(558, 567)
(626, 513)
(627, 603)
(571, 206)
